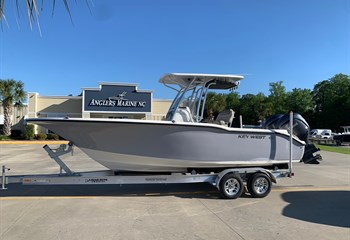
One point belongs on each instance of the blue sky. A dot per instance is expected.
(137, 41)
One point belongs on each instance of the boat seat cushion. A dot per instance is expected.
(225, 117)
(183, 114)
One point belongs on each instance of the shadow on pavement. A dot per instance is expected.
(322, 207)
(189, 190)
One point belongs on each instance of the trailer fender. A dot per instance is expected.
(222, 174)
(272, 177)
(242, 171)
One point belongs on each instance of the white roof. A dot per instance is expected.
(184, 79)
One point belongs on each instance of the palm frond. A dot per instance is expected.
(53, 6)
(2, 2)
(30, 12)
(67, 8)
(88, 5)
(32, 8)
(12, 91)
(2, 14)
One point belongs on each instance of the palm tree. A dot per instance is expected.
(33, 9)
(11, 94)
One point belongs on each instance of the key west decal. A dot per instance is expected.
(117, 98)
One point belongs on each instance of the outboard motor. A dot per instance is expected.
(270, 122)
(300, 129)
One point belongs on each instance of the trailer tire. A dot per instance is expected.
(259, 185)
(231, 186)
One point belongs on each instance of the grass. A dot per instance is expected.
(336, 149)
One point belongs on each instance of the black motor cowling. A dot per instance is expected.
(271, 122)
(301, 129)
(281, 121)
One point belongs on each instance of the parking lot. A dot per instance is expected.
(314, 204)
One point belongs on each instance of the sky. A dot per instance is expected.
(137, 41)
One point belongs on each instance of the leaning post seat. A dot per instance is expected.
(225, 117)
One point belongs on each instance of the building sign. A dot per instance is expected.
(112, 97)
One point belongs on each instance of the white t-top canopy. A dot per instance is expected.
(184, 79)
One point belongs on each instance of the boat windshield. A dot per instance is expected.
(192, 90)
(190, 100)
(185, 99)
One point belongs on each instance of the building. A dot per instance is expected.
(109, 100)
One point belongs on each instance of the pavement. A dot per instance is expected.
(314, 204)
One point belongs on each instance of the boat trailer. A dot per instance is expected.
(230, 182)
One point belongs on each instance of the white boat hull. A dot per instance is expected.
(161, 146)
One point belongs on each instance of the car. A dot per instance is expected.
(326, 135)
(321, 133)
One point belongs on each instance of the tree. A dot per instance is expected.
(300, 101)
(215, 103)
(277, 97)
(254, 108)
(11, 94)
(232, 101)
(332, 98)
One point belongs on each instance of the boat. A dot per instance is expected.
(184, 141)
(344, 137)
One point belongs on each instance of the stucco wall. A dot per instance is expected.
(160, 108)
(50, 106)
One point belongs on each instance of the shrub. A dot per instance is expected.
(29, 132)
(41, 136)
(53, 136)
(3, 137)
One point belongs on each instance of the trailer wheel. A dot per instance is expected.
(231, 186)
(259, 185)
